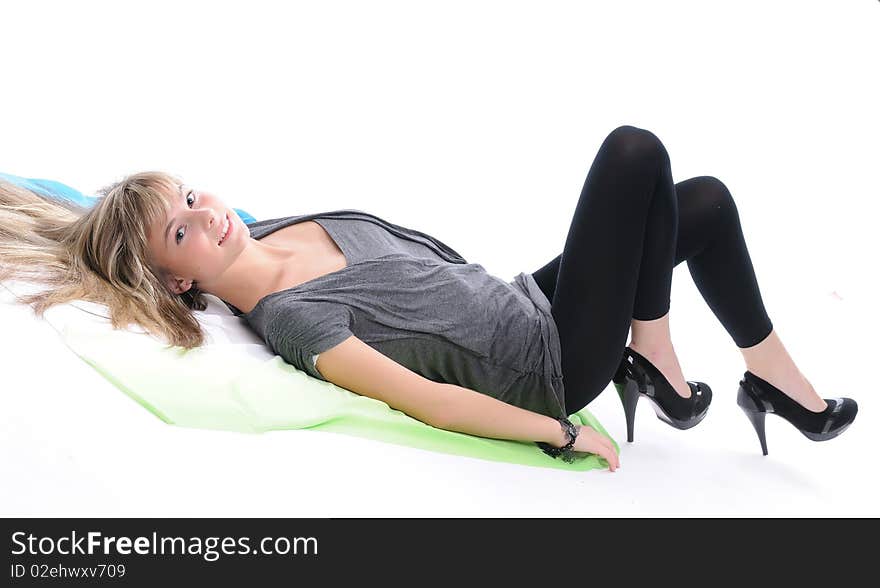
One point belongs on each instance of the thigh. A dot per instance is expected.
(694, 197)
(596, 274)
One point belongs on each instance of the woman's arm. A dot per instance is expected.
(357, 367)
(471, 412)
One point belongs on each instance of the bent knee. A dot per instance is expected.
(716, 197)
(635, 144)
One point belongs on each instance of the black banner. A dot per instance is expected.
(274, 551)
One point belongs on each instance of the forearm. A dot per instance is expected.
(468, 411)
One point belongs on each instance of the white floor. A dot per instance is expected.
(73, 445)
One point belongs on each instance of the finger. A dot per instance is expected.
(609, 457)
(607, 442)
(613, 451)
(613, 456)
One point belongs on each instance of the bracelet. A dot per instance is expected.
(565, 451)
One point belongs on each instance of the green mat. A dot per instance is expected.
(220, 387)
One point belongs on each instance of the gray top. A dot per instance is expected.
(417, 301)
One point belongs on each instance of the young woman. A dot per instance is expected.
(394, 314)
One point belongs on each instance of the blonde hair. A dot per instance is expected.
(99, 254)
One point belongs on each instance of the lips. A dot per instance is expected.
(228, 230)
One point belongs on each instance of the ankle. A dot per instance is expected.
(654, 348)
(776, 373)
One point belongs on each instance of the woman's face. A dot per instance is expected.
(186, 241)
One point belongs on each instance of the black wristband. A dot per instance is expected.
(565, 451)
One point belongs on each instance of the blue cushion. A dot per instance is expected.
(55, 189)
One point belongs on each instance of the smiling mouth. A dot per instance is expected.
(228, 230)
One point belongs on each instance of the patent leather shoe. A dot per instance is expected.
(757, 398)
(637, 377)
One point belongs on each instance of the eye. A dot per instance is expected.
(178, 236)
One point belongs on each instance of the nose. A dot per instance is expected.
(211, 217)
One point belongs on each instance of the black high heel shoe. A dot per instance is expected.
(636, 376)
(758, 397)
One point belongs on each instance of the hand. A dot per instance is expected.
(589, 440)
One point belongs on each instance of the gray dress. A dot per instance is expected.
(417, 301)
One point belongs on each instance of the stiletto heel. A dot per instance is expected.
(757, 420)
(758, 397)
(629, 396)
(752, 407)
(636, 376)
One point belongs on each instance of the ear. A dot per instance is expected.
(178, 285)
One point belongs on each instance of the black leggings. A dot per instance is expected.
(631, 226)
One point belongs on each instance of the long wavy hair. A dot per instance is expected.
(99, 254)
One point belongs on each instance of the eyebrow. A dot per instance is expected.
(171, 222)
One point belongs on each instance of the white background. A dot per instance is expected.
(475, 122)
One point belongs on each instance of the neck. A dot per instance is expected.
(255, 273)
